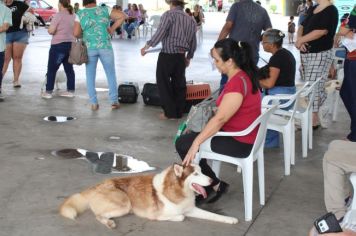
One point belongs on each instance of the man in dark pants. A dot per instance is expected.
(176, 31)
(348, 88)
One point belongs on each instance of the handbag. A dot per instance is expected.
(263, 72)
(200, 114)
(78, 53)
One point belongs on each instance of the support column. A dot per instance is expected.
(290, 7)
(122, 3)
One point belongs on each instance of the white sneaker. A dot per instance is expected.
(46, 95)
(67, 94)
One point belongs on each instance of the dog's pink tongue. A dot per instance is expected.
(200, 190)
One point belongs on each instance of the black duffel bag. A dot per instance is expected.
(128, 92)
(150, 94)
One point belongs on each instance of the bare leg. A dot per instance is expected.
(17, 54)
(315, 119)
(8, 57)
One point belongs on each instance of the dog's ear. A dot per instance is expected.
(178, 170)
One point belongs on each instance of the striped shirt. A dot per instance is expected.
(177, 33)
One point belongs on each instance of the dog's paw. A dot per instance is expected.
(111, 224)
(232, 220)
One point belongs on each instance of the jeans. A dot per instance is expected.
(58, 54)
(129, 27)
(106, 57)
(2, 57)
(348, 96)
(272, 136)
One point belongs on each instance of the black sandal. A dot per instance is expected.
(223, 188)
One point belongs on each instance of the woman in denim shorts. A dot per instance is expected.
(16, 39)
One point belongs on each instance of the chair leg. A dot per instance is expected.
(292, 143)
(247, 176)
(216, 167)
(310, 129)
(336, 104)
(287, 152)
(261, 176)
(304, 124)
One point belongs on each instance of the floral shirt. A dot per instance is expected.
(94, 23)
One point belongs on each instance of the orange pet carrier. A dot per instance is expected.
(198, 91)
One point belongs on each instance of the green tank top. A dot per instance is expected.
(94, 23)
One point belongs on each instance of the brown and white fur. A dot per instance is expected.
(169, 195)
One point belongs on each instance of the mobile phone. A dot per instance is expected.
(327, 224)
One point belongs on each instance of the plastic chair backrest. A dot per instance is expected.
(155, 20)
(310, 92)
(292, 101)
(261, 134)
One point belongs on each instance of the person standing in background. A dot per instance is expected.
(301, 11)
(315, 40)
(16, 40)
(245, 22)
(291, 29)
(177, 33)
(198, 16)
(61, 28)
(92, 23)
(5, 23)
(348, 87)
(76, 7)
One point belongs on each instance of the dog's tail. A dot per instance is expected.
(73, 206)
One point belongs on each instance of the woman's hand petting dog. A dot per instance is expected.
(189, 158)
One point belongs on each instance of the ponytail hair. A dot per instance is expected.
(241, 54)
(66, 5)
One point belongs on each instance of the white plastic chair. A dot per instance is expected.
(153, 23)
(339, 66)
(283, 122)
(304, 115)
(246, 164)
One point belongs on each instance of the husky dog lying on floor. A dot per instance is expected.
(169, 195)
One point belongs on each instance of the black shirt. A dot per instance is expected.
(327, 19)
(18, 9)
(285, 62)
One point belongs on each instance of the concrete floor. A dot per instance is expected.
(33, 183)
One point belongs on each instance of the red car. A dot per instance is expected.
(43, 9)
